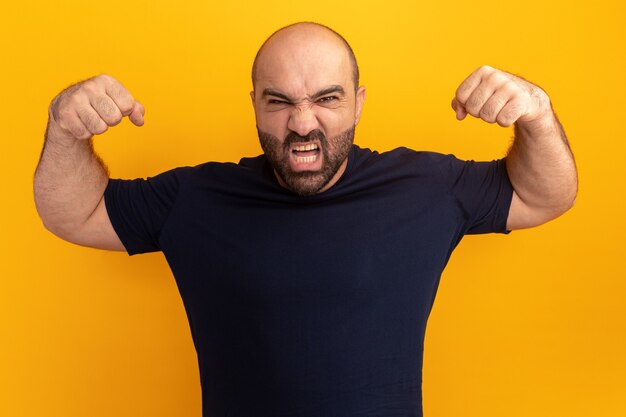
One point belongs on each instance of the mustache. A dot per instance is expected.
(313, 135)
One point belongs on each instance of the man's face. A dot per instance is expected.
(306, 108)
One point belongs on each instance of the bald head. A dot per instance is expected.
(298, 38)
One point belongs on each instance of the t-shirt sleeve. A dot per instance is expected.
(139, 208)
(483, 191)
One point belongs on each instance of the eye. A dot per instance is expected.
(274, 101)
(327, 99)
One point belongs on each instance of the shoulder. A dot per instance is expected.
(251, 175)
(402, 159)
(208, 171)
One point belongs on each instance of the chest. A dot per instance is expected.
(366, 244)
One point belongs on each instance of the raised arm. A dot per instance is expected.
(540, 163)
(70, 178)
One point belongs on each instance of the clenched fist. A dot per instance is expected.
(497, 96)
(88, 108)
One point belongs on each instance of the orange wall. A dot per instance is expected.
(530, 324)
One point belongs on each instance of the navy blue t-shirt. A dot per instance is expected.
(311, 306)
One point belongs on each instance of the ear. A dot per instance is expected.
(252, 97)
(360, 99)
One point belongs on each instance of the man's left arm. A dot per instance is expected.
(540, 163)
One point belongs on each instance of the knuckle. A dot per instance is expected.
(504, 118)
(485, 69)
(106, 108)
(509, 88)
(473, 101)
(515, 88)
(471, 110)
(103, 78)
(88, 91)
(93, 122)
(487, 113)
(79, 132)
(498, 78)
(498, 101)
(123, 98)
(490, 75)
(74, 100)
(114, 121)
(460, 96)
(125, 105)
(515, 108)
(63, 114)
(473, 105)
(89, 85)
(100, 128)
(508, 115)
(504, 122)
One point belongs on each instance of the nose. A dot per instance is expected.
(303, 120)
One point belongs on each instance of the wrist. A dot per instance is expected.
(542, 116)
(58, 136)
(543, 123)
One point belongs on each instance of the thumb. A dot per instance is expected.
(459, 109)
(136, 114)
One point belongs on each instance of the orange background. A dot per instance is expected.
(530, 324)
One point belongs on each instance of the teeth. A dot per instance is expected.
(306, 158)
(307, 147)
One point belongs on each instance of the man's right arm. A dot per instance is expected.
(70, 178)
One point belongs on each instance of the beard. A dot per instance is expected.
(334, 152)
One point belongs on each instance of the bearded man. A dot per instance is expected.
(308, 272)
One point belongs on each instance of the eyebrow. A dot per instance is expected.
(328, 90)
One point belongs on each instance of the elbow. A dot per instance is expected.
(568, 202)
(66, 232)
(561, 200)
(44, 217)
(55, 219)
(47, 218)
(58, 227)
(561, 206)
(53, 227)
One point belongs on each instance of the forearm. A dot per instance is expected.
(69, 182)
(541, 165)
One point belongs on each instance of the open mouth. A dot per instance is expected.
(305, 153)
